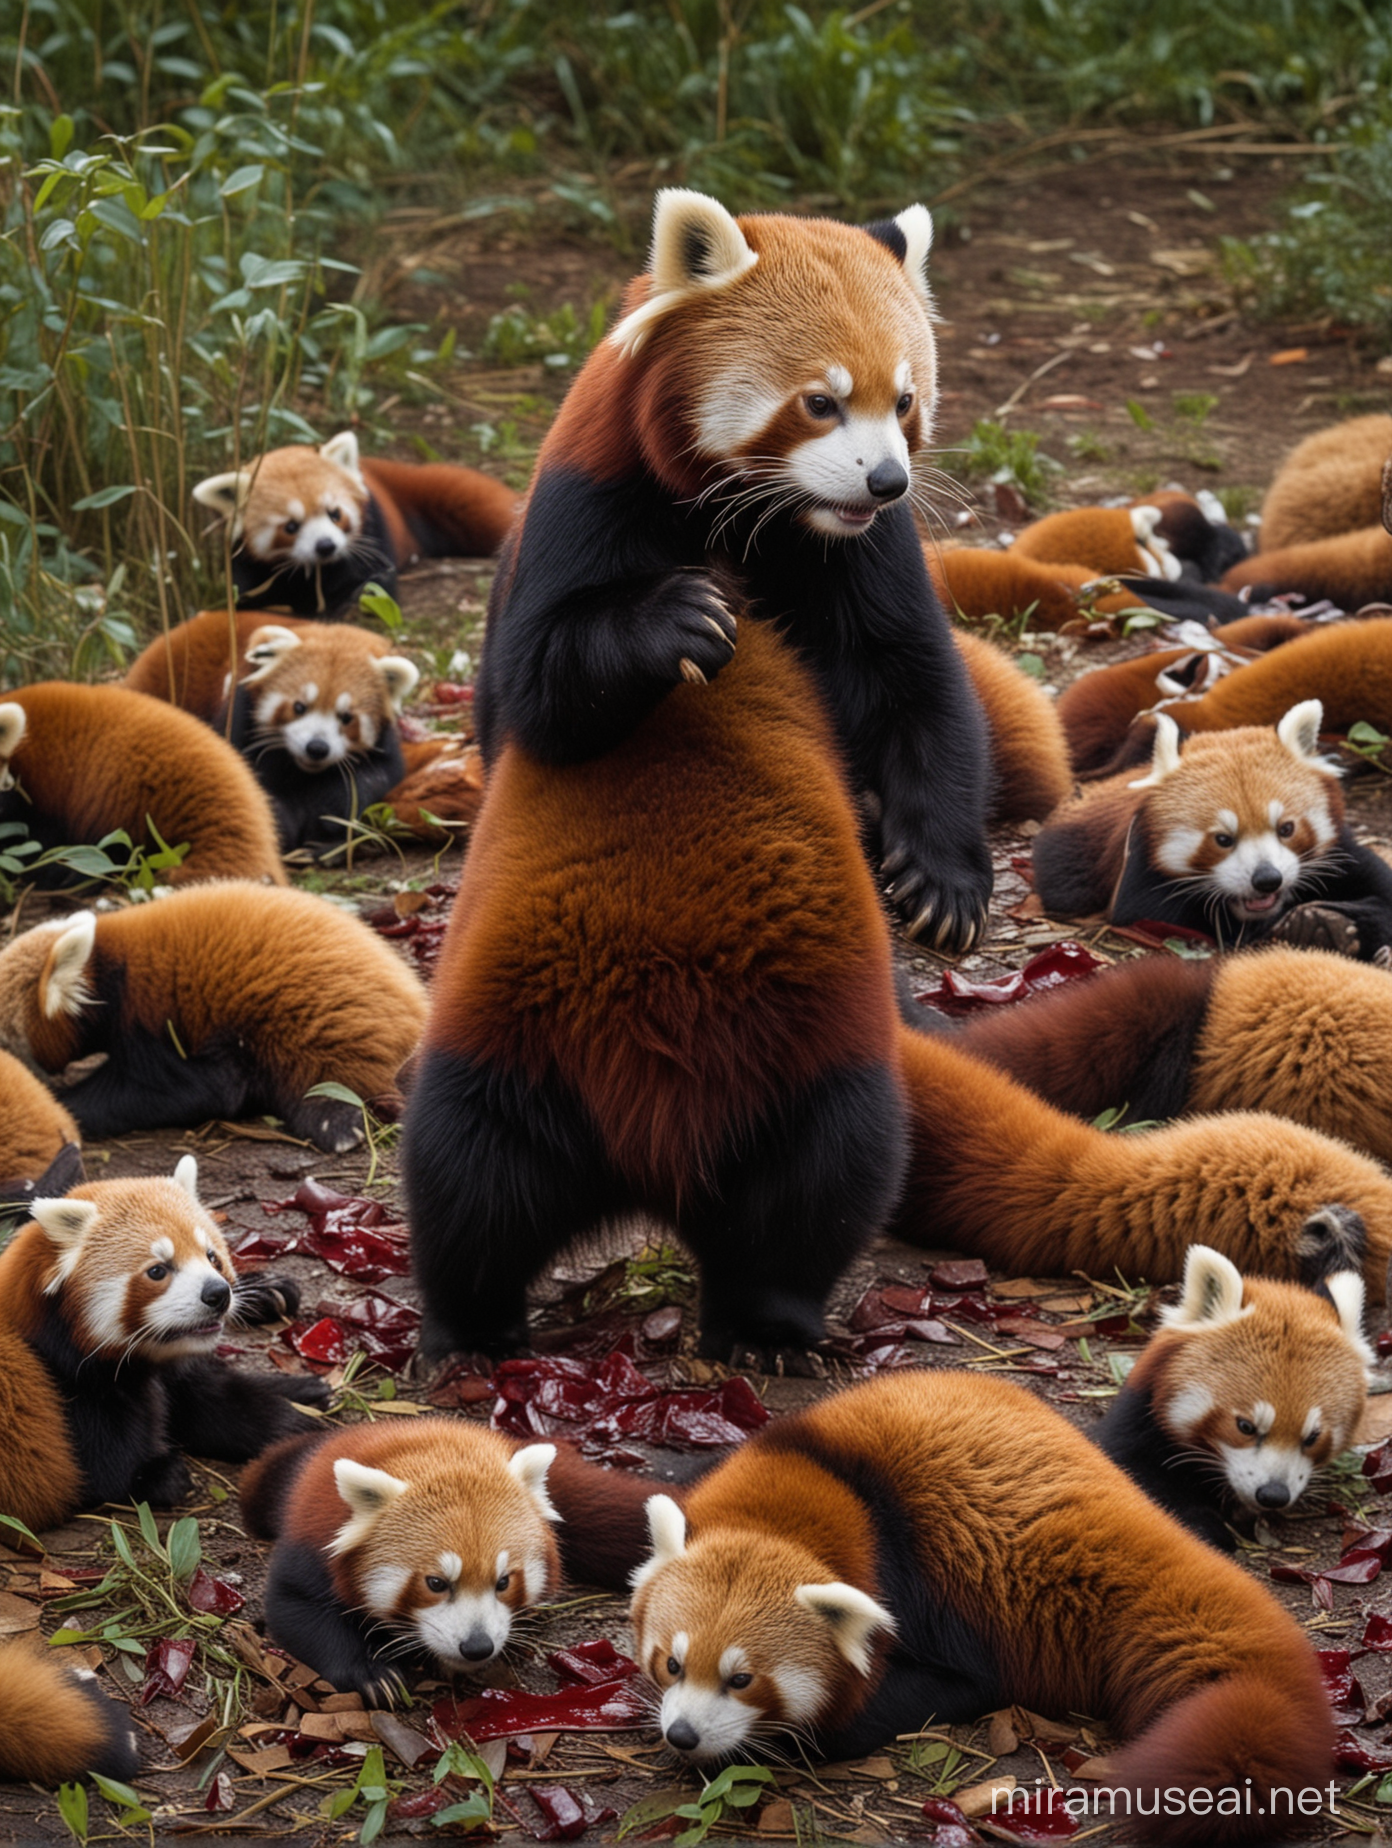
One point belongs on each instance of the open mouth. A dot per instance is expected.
(1258, 906)
(200, 1331)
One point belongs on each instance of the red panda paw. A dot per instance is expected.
(384, 1690)
(687, 629)
(1319, 927)
(944, 910)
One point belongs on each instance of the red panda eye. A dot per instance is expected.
(503, 1583)
(1306, 1442)
(291, 526)
(157, 1273)
(345, 718)
(1286, 829)
(905, 405)
(819, 405)
(1223, 840)
(432, 1583)
(1246, 1427)
(673, 1667)
(215, 1260)
(299, 709)
(740, 1681)
(336, 515)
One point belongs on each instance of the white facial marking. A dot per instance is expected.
(733, 1662)
(832, 469)
(1314, 1418)
(801, 1691)
(1263, 1416)
(732, 414)
(180, 1306)
(1233, 875)
(1247, 1470)
(451, 1567)
(163, 1250)
(533, 1579)
(200, 1238)
(840, 381)
(315, 729)
(104, 1306)
(903, 376)
(382, 1588)
(1274, 811)
(721, 1721)
(1174, 854)
(1228, 821)
(1189, 1407)
(500, 1564)
(442, 1628)
(681, 1642)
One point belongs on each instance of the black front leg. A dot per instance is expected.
(214, 1411)
(148, 1083)
(1347, 909)
(304, 1615)
(911, 1694)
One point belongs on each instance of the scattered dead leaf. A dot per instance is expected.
(979, 1799)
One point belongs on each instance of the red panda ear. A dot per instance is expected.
(225, 494)
(342, 451)
(1165, 758)
(1299, 731)
(1211, 1293)
(400, 677)
(186, 1175)
(667, 1532)
(268, 645)
(1151, 543)
(529, 1467)
(12, 724)
(63, 981)
(909, 237)
(368, 1493)
(1345, 1291)
(697, 246)
(853, 1616)
(65, 1223)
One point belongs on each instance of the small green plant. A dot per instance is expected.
(474, 1811)
(1088, 446)
(373, 1789)
(379, 1137)
(938, 1760)
(22, 857)
(1195, 407)
(516, 337)
(1139, 415)
(1367, 742)
(353, 1394)
(1012, 456)
(1237, 502)
(737, 1787)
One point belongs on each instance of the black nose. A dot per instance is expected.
(1265, 878)
(477, 1646)
(325, 547)
(317, 748)
(216, 1294)
(683, 1735)
(887, 481)
(1273, 1494)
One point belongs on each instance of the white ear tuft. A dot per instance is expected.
(853, 1615)
(401, 677)
(916, 223)
(342, 451)
(12, 724)
(1164, 759)
(1300, 729)
(65, 1223)
(667, 1532)
(1144, 523)
(186, 1175)
(369, 1493)
(529, 1466)
(63, 983)
(1211, 1293)
(268, 645)
(225, 494)
(696, 246)
(1346, 1289)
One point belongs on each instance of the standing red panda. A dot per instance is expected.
(1246, 1391)
(427, 1537)
(311, 527)
(78, 762)
(1238, 833)
(912, 1551)
(217, 1001)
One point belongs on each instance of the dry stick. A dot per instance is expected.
(1003, 410)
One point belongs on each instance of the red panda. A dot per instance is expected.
(1297, 1033)
(429, 1538)
(1028, 749)
(744, 437)
(913, 1550)
(34, 1126)
(1238, 833)
(1097, 708)
(1248, 1389)
(310, 527)
(111, 1303)
(217, 1001)
(58, 1728)
(979, 582)
(1108, 540)
(77, 763)
(1326, 519)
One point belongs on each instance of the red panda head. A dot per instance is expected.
(744, 1636)
(299, 506)
(324, 694)
(139, 1268)
(1269, 1379)
(450, 1539)
(1243, 814)
(782, 363)
(44, 990)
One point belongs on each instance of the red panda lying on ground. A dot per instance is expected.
(1326, 519)
(34, 1126)
(78, 762)
(912, 1551)
(1238, 833)
(58, 1727)
(1246, 1391)
(311, 527)
(218, 1001)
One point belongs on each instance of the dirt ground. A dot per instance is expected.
(1064, 299)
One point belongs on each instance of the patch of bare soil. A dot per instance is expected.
(1066, 301)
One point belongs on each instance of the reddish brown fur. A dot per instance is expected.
(55, 1730)
(1328, 485)
(795, 965)
(317, 992)
(1346, 666)
(1119, 1613)
(189, 666)
(34, 1126)
(443, 781)
(94, 759)
(1353, 570)
(472, 510)
(1029, 753)
(979, 583)
(1101, 538)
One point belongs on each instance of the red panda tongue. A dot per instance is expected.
(1261, 904)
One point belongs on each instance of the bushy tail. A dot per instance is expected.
(1258, 1744)
(55, 1725)
(603, 1535)
(266, 1483)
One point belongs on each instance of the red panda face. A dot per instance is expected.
(449, 1551)
(786, 364)
(1243, 815)
(741, 1638)
(139, 1267)
(1268, 1378)
(299, 506)
(324, 695)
